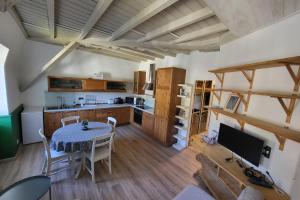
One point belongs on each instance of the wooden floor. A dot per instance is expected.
(141, 169)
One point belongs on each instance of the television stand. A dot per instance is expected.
(224, 179)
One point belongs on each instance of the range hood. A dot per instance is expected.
(149, 85)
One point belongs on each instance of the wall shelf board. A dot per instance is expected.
(180, 128)
(259, 65)
(182, 96)
(181, 118)
(179, 137)
(274, 94)
(278, 131)
(182, 107)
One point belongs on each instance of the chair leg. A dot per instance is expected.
(44, 166)
(113, 146)
(70, 159)
(109, 164)
(48, 168)
(93, 171)
(72, 163)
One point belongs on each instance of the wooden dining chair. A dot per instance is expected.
(70, 119)
(112, 121)
(101, 150)
(52, 157)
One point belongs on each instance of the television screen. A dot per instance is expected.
(243, 144)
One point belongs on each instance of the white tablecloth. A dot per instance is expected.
(71, 138)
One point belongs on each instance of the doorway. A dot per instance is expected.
(200, 113)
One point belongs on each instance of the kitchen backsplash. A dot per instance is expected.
(71, 98)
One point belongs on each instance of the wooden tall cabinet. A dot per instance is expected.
(139, 81)
(166, 100)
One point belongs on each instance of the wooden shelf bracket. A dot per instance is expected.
(288, 109)
(296, 78)
(242, 124)
(220, 77)
(281, 141)
(245, 100)
(249, 77)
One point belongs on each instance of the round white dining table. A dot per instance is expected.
(72, 137)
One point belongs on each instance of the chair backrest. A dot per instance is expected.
(102, 141)
(69, 119)
(113, 122)
(46, 146)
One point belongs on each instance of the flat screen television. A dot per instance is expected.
(245, 145)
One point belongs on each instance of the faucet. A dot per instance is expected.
(61, 101)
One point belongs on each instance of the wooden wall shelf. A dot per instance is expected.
(259, 65)
(280, 132)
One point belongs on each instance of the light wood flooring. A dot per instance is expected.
(141, 169)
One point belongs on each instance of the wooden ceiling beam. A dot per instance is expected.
(15, 15)
(148, 12)
(99, 10)
(116, 50)
(50, 64)
(51, 19)
(209, 30)
(6, 4)
(136, 52)
(179, 23)
(108, 53)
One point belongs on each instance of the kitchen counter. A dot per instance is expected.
(99, 106)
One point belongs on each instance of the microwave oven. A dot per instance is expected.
(134, 100)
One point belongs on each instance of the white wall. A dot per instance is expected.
(76, 64)
(12, 38)
(3, 102)
(277, 41)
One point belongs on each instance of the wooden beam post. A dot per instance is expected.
(49, 65)
(13, 12)
(145, 14)
(99, 10)
(209, 30)
(51, 19)
(179, 23)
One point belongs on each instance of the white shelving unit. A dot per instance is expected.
(186, 107)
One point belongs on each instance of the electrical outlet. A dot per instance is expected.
(266, 151)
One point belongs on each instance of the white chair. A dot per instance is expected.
(101, 150)
(112, 121)
(53, 157)
(69, 119)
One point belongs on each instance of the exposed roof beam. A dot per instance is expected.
(138, 32)
(209, 30)
(152, 52)
(136, 52)
(50, 64)
(13, 12)
(115, 50)
(154, 44)
(51, 21)
(5, 4)
(99, 10)
(108, 53)
(141, 17)
(179, 23)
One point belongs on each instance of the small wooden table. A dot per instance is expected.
(227, 178)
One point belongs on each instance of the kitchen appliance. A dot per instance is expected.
(32, 121)
(148, 86)
(134, 100)
(138, 116)
(118, 100)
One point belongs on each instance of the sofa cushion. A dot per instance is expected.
(249, 193)
(191, 192)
